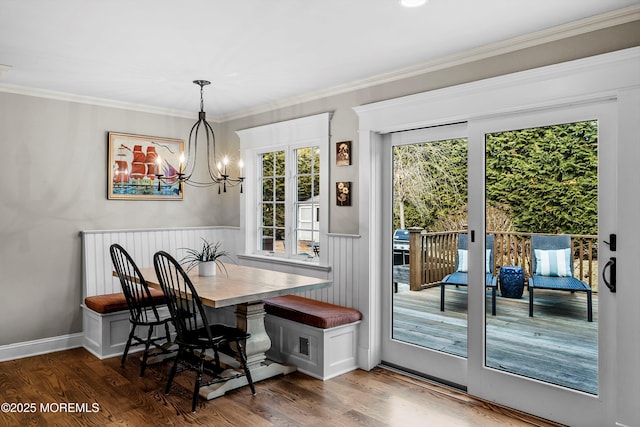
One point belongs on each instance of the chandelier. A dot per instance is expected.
(217, 169)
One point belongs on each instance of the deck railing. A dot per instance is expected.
(434, 255)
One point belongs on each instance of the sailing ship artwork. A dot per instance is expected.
(144, 167)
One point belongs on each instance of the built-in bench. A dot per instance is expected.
(111, 303)
(106, 326)
(105, 316)
(105, 334)
(319, 338)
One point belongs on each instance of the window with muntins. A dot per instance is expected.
(289, 207)
(286, 209)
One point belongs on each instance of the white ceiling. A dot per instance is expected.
(257, 53)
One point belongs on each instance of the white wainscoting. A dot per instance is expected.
(339, 263)
(142, 244)
(339, 259)
(342, 256)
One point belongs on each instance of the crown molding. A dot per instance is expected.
(583, 26)
(101, 102)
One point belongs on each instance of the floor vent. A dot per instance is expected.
(304, 346)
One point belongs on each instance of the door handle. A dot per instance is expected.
(612, 243)
(611, 266)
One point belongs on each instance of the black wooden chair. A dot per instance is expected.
(194, 334)
(552, 268)
(143, 304)
(460, 276)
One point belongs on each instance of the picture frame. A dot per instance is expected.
(343, 193)
(133, 171)
(343, 153)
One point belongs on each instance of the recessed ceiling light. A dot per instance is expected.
(412, 3)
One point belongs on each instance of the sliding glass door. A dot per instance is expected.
(495, 258)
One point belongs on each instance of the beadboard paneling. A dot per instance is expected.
(141, 245)
(341, 255)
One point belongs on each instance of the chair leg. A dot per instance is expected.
(196, 387)
(441, 296)
(128, 345)
(145, 355)
(166, 330)
(243, 360)
(174, 369)
(589, 307)
(216, 359)
(530, 301)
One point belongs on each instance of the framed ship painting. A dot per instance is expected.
(144, 167)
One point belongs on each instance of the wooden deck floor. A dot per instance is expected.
(557, 345)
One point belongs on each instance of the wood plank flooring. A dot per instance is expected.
(557, 345)
(376, 398)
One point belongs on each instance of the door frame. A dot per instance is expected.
(602, 77)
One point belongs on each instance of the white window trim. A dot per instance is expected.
(306, 131)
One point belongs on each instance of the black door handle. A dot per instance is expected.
(611, 283)
(612, 243)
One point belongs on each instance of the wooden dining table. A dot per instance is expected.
(246, 288)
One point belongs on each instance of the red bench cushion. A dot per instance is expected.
(111, 303)
(311, 312)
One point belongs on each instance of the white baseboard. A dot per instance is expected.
(41, 346)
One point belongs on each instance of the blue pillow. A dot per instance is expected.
(463, 261)
(555, 262)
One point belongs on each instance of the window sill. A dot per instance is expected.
(285, 261)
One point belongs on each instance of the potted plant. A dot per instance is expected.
(206, 258)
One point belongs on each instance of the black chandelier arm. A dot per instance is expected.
(192, 147)
(231, 182)
(214, 171)
(217, 173)
(180, 178)
(159, 177)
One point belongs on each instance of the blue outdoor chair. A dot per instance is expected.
(552, 268)
(459, 277)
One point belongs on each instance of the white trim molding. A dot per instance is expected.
(42, 346)
(310, 130)
(89, 100)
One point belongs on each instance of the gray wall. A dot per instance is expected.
(344, 123)
(54, 157)
(54, 181)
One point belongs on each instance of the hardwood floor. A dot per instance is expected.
(101, 393)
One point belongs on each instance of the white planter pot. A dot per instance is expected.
(207, 268)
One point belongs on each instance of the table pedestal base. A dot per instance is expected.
(266, 370)
(250, 318)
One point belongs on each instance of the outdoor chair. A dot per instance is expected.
(142, 303)
(552, 268)
(459, 277)
(194, 334)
